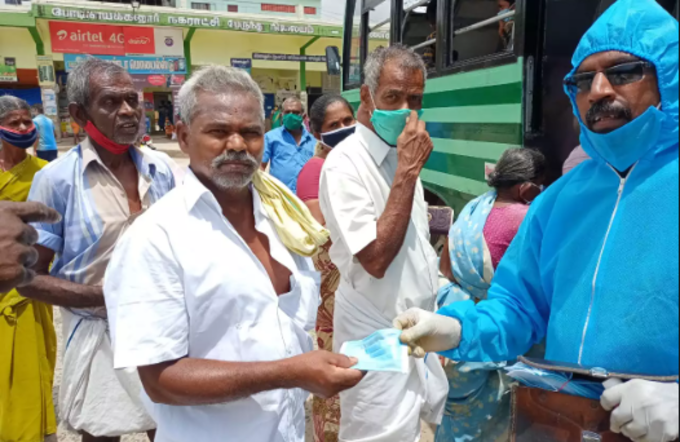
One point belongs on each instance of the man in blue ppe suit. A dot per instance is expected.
(595, 267)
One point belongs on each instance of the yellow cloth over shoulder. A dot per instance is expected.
(28, 344)
(297, 228)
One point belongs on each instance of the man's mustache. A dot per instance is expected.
(123, 122)
(608, 109)
(235, 157)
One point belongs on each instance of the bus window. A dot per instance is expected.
(353, 78)
(420, 29)
(482, 28)
(380, 19)
(370, 22)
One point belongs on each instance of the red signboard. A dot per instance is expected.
(84, 38)
(139, 40)
(157, 80)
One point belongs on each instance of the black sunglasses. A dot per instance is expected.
(619, 75)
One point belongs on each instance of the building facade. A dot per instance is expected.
(299, 9)
(42, 41)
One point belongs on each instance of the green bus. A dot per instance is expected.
(495, 81)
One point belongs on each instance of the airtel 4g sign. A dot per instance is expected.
(84, 38)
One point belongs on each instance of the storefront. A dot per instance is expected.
(153, 56)
(18, 68)
(160, 47)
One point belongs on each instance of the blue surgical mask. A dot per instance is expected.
(627, 145)
(334, 138)
(382, 351)
(389, 125)
(22, 140)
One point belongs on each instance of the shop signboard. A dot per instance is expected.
(212, 21)
(289, 57)
(86, 38)
(157, 80)
(139, 40)
(46, 75)
(8, 74)
(169, 42)
(49, 100)
(136, 65)
(245, 64)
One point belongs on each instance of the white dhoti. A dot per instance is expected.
(385, 407)
(94, 397)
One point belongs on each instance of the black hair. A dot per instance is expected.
(432, 12)
(38, 108)
(517, 166)
(317, 115)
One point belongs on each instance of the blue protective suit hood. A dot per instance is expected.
(594, 269)
(644, 29)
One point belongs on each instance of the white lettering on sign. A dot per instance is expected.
(250, 26)
(139, 41)
(379, 35)
(150, 65)
(292, 29)
(78, 14)
(194, 21)
(89, 37)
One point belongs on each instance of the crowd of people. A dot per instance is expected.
(188, 296)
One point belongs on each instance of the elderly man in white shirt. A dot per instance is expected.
(206, 298)
(374, 205)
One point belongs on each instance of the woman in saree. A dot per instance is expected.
(478, 408)
(332, 121)
(27, 339)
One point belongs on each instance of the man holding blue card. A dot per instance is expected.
(373, 202)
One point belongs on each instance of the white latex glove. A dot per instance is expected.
(426, 332)
(644, 411)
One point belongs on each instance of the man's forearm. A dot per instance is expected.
(189, 382)
(62, 293)
(392, 224)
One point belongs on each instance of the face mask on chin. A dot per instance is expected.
(389, 125)
(334, 138)
(21, 140)
(628, 144)
(102, 140)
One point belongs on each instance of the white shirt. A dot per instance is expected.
(355, 185)
(182, 282)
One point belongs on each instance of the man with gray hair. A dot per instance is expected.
(100, 187)
(375, 209)
(218, 322)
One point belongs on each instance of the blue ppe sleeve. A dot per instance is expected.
(516, 313)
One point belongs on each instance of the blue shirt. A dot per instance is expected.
(45, 127)
(594, 268)
(286, 156)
